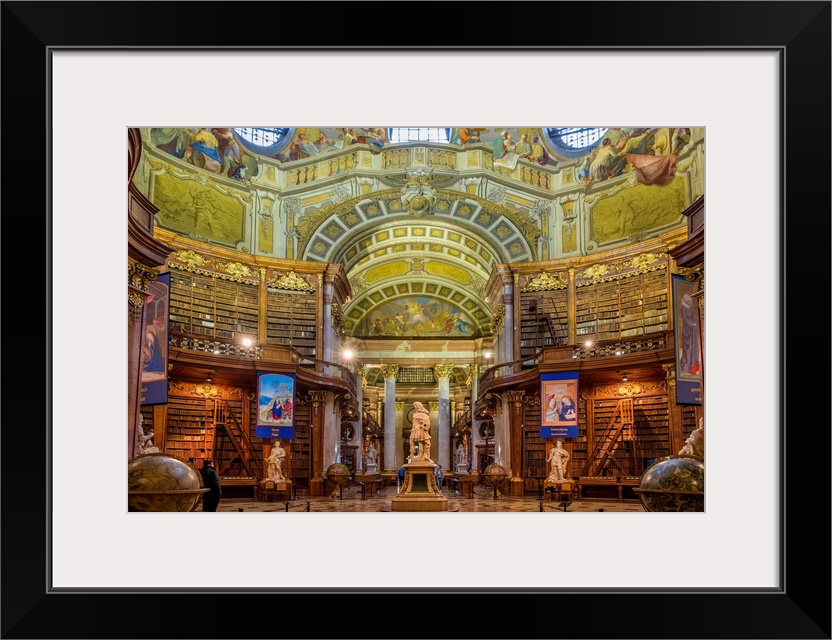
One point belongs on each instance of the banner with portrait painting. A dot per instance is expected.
(687, 322)
(154, 373)
(275, 405)
(559, 405)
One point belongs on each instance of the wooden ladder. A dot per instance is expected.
(224, 418)
(620, 424)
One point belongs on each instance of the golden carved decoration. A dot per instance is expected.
(290, 282)
(136, 302)
(595, 272)
(361, 371)
(545, 282)
(641, 261)
(239, 270)
(190, 260)
(516, 395)
(139, 277)
(338, 320)
(433, 406)
(399, 405)
(498, 319)
(318, 396)
(389, 371)
(443, 370)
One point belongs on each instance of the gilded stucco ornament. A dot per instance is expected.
(389, 371)
(290, 282)
(139, 277)
(545, 282)
(443, 370)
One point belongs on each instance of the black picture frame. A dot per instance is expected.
(799, 609)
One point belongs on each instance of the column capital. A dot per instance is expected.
(361, 371)
(443, 370)
(399, 405)
(317, 395)
(139, 277)
(669, 374)
(433, 406)
(390, 371)
(516, 396)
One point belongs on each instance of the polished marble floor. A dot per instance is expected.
(483, 500)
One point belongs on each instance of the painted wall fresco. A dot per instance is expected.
(188, 207)
(416, 317)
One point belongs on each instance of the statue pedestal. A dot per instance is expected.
(419, 490)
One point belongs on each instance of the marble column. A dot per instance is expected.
(443, 372)
(476, 439)
(358, 438)
(507, 342)
(328, 331)
(390, 373)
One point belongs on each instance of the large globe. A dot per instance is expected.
(494, 475)
(338, 474)
(161, 482)
(673, 483)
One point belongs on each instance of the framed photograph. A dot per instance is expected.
(687, 323)
(755, 74)
(559, 405)
(275, 405)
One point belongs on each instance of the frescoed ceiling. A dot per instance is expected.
(419, 217)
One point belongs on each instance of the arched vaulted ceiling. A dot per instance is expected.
(393, 253)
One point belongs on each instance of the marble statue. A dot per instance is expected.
(420, 434)
(558, 459)
(695, 444)
(275, 461)
(145, 440)
(372, 458)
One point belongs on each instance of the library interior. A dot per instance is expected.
(348, 319)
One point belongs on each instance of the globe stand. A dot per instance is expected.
(495, 475)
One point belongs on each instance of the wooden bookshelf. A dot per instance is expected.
(579, 454)
(623, 307)
(208, 306)
(603, 412)
(652, 430)
(186, 434)
(300, 454)
(534, 448)
(292, 320)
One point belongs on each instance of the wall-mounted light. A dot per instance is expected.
(624, 378)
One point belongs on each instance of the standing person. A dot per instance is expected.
(558, 457)
(211, 480)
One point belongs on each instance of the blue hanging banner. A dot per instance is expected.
(688, 340)
(559, 405)
(154, 375)
(275, 405)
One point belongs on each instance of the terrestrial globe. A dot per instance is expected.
(673, 483)
(161, 482)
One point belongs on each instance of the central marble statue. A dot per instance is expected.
(420, 491)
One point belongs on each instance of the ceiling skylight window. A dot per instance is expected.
(419, 134)
(571, 142)
(265, 140)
